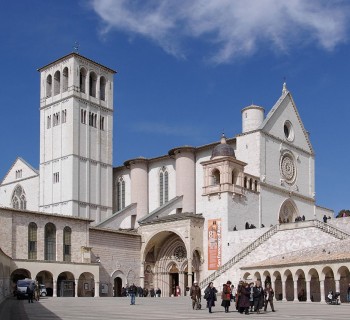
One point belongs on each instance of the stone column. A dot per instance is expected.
(284, 298)
(337, 285)
(295, 290)
(308, 291)
(142, 275)
(273, 286)
(76, 282)
(54, 294)
(189, 274)
(182, 283)
(323, 299)
(97, 289)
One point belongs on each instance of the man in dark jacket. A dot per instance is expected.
(132, 292)
(196, 295)
(268, 297)
(258, 295)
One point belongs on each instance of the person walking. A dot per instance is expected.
(268, 297)
(30, 292)
(258, 294)
(226, 296)
(132, 293)
(196, 295)
(244, 302)
(210, 296)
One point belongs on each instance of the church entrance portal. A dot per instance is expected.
(174, 281)
(117, 287)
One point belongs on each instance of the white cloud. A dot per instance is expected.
(230, 27)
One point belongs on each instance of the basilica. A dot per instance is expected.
(239, 208)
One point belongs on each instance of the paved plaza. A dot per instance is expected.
(154, 308)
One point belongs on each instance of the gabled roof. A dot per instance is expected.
(35, 171)
(286, 95)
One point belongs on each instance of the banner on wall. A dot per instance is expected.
(214, 244)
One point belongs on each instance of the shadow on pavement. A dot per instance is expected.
(13, 309)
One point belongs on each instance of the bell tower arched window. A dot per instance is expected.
(57, 83)
(121, 193)
(49, 86)
(65, 80)
(103, 88)
(92, 84)
(50, 242)
(82, 80)
(215, 177)
(163, 186)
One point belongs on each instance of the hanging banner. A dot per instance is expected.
(214, 244)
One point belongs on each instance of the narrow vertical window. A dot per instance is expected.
(102, 123)
(56, 177)
(163, 186)
(49, 86)
(50, 242)
(67, 234)
(92, 84)
(48, 122)
(65, 80)
(102, 88)
(121, 194)
(82, 80)
(57, 83)
(83, 116)
(64, 116)
(32, 241)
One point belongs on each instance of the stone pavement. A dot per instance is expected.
(155, 309)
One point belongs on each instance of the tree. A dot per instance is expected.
(342, 213)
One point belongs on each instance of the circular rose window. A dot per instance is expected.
(288, 169)
(180, 253)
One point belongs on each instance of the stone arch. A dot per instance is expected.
(20, 274)
(215, 176)
(86, 285)
(277, 279)
(329, 282)
(266, 278)
(343, 274)
(301, 285)
(247, 276)
(257, 276)
(46, 278)
(288, 211)
(289, 285)
(119, 281)
(315, 290)
(66, 284)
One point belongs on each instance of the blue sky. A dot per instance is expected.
(185, 71)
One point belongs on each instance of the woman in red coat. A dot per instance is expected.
(226, 296)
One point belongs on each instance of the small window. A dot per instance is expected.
(216, 177)
(50, 242)
(121, 194)
(56, 177)
(19, 174)
(64, 116)
(18, 199)
(48, 122)
(56, 119)
(83, 116)
(163, 186)
(288, 131)
(67, 235)
(102, 123)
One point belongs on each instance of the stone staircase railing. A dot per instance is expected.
(337, 233)
(268, 234)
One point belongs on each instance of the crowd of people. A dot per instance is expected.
(140, 292)
(246, 298)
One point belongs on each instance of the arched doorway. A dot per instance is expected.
(86, 285)
(45, 277)
(166, 264)
(18, 274)
(118, 283)
(315, 291)
(173, 280)
(288, 212)
(65, 285)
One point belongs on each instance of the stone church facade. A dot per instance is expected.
(167, 221)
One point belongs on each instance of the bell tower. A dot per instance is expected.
(76, 138)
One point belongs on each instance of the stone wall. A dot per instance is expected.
(118, 253)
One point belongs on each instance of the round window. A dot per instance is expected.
(288, 131)
(288, 168)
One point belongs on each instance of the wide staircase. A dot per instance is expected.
(335, 232)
